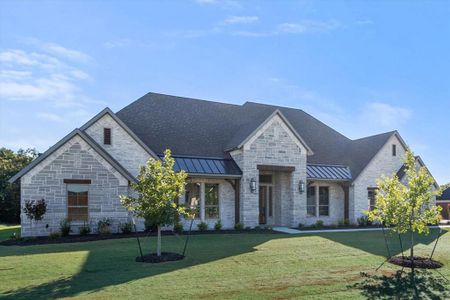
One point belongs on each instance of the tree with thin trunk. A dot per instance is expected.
(157, 189)
(408, 206)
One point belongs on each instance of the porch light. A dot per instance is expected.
(301, 186)
(253, 185)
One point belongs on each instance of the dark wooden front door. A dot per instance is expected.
(262, 204)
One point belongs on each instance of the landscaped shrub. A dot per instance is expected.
(178, 227)
(35, 210)
(341, 223)
(218, 225)
(202, 226)
(54, 235)
(346, 222)
(238, 226)
(104, 226)
(85, 229)
(126, 228)
(64, 227)
(364, 221)
(319, 224)
(300, 226)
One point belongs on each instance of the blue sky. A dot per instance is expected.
(362, 67)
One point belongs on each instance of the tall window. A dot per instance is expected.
(394, 150)
(192, 197)
(77, 202)
(107, 136)
(324, 201)
(311, 202)
(211, 201)
(371, 192)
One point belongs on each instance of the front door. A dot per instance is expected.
(265, 204)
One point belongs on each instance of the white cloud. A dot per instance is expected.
(386, 115)
(117, 43)
(307, 26)
(50, 117)
(220, 3)
(240, 20)
(38, 76)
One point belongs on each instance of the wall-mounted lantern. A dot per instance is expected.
(253, 185)
(301, 186)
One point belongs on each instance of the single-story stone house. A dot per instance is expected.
(444, 202)
(254, 164)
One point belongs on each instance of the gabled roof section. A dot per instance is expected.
(108, 111)
(402, 171)
(244, 139)
(445, 195)
(64, 140)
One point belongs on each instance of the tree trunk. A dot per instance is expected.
(158, 247)
(412, 254)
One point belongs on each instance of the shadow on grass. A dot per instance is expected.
(374, 242)
(426, 285)
(112, 262)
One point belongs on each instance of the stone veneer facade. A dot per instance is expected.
(273, 144)
(74, 160)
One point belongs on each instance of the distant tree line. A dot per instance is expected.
(10, 163)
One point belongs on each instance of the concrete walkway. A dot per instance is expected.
(296, 231)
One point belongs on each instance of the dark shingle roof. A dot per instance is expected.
(445, 195)
(193, 127)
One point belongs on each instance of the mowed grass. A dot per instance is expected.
(228, 266)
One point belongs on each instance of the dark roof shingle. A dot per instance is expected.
(192, 127)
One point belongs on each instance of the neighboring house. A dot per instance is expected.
(444, 202)
(255, 164)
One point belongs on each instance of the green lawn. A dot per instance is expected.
(232, 266)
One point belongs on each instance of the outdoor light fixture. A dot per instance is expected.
(301, 186)
(253, 185)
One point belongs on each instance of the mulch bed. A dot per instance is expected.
(43, 240)
(419, 262)
(165, 256)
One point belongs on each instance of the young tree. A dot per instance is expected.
(407, 207)
(157, 188)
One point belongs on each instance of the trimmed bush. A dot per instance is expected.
(126, 228)
(104, 226)
(85, 229)
(178, 227)
(319, 224)
(202, 226)
(54, 235)
(238, 226)
(300, 226)
(363, 221)
(218, 225)
(64, 227)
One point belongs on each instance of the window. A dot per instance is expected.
(107, 136)
(77, 202)
(211, 201)
(371, 193)
(311, 202)
(324, 201)
(192, 197)
(394, 150)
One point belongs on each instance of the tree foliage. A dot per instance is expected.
(10, 163)
(407, 206)
(157, 187)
